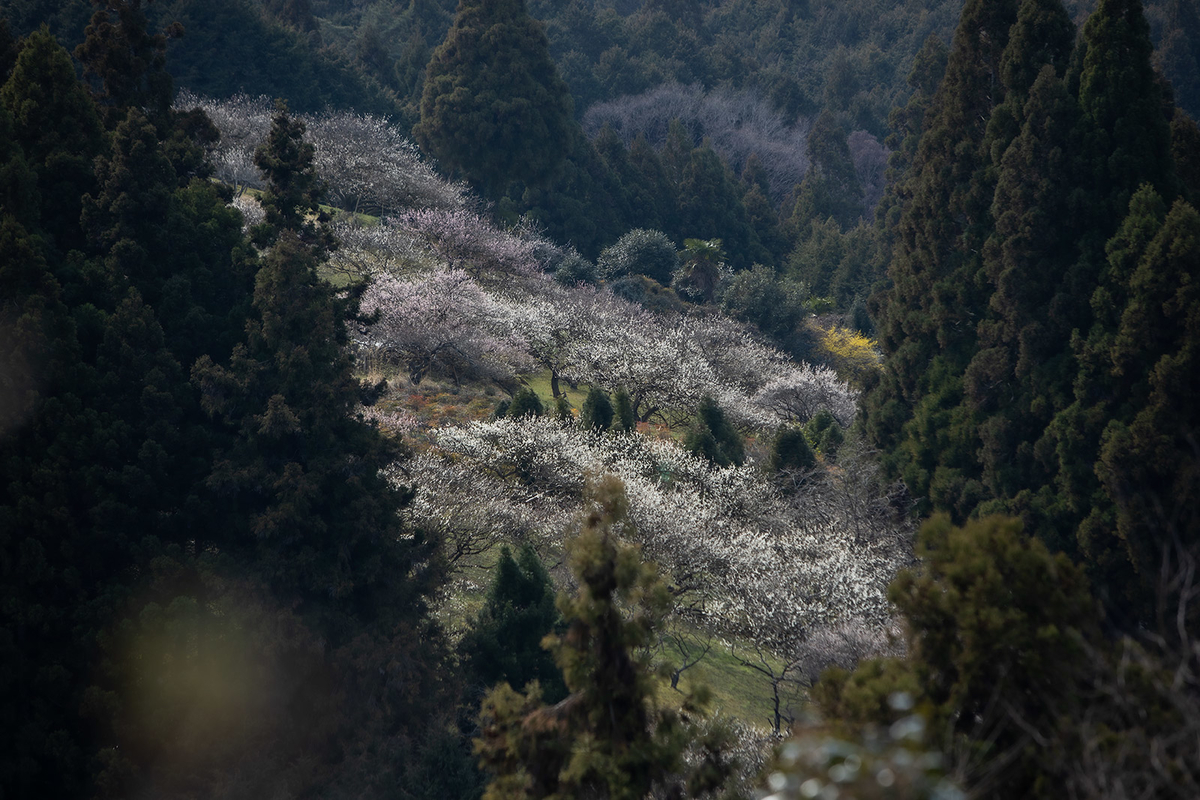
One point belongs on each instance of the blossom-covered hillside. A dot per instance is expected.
(768, 556)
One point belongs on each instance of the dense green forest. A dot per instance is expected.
(602, 398)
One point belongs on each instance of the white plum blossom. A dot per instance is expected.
(747, 558)
(438, 320)
(368, 164)
(797, 393)
(469, 243)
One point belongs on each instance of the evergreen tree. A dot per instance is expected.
(824, 434)
(927, 318)
(300, 480)
(56, 124)
(294, 191)
(493, 105)
(1148, 463)
(790, 451)
(597, 411)
(583, 202)
(127, 61)
(999, 632)
(1042, 36)
(710, 206)
(562, 409)
(712, 437)
(504, 644)
(525, 403)
(1020, 375)
(830, 187)
(623, 417)
(1126, 139)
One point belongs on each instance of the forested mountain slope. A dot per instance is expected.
(301, 429)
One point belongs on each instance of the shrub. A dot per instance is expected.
(624, 420)
(791, 451)
(713, 437)
(824, 433)
(640, 252)
(526, 403)
(597, 412)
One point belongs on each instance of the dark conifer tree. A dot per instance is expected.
(294, 191)
(928, 317)
(655, 192)
(606, 738)
(1020, 375)
(710, 206)
(57, 126)
(525, 403)
(583, 203)
(640, 193)
(623, 417)
(597, 411)
(831, 187)
(791, 452)
(1148, 462)
(505, 644)
(1126, 139)
(300, 482)
(713, 437)
(128, 62)
(494, 106)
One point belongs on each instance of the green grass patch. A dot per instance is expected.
(737, 690)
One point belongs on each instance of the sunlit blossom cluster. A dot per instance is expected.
(491, 312)
(747, 557)
(367, 163)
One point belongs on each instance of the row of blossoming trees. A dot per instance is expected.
(795, 563)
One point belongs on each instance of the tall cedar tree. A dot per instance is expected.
(494, 106)
(103, 466)
(128, 62)
(301, 482)
(1003, 389)
(505, 643)
(929, 314)
(1020, 374)
(57, 123)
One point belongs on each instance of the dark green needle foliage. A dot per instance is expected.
(597, 411)
(562, 409)
(127, 61)
(525, 403)
(998, 639)
(713, 437)
(824, 434)
(494, 106)
(59, 129)
(294, 191)
(623, 417)
(790, 452)
(504, 644)
(1041, 181)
